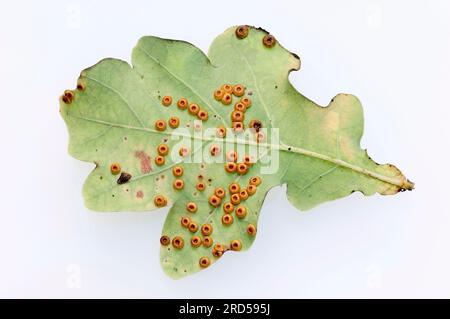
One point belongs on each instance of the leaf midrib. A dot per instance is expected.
(399, 182)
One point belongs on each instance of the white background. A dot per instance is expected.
(394, 55)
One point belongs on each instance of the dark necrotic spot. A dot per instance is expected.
(123, 178)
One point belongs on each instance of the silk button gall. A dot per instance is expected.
(227, 99)
(246, 101)
(218, 250)
(204, 262)
(227, 88)
(185, 221)
(115, 168)
(206, 229)
(255, 180)
(193, 108)
(239, 106)
(241, 211)
(178, 242)
(269, 41)
(167, 100)
(178, 184)
(236, 245)
(237, 116)
(218, 94)
(243, 194)
(241, 169)
(177, 171)
(238, 90)
(159, 160)
(219, 192)
(230, 167)
(214, 200)
(193, 227)
(200, 186)
(241, 31)
(238, 127)
(235, 199)
(174, 122)
(207, 241)
(196, 241)
(191, 207)
(251, 189)
(202, 115)
(160, 125)
(228, 208)
(160, 201)
(227, 219)
(182, 104)
(214, 150)
(163, 149)
(234, 188)
(164, 240)
(251, 230)
(221, 132)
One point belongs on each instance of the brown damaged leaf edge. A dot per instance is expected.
(122, 118)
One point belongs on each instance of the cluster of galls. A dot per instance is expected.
(237, 196)
(178, 184)
(268, 40)
(69, 95)
(232, 166)
(225, 94)
(183, 104)
(123, 177)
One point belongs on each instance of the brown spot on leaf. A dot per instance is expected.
(241, 31)
(269, 41)
(123, 178)
(144, 158)
(68, 96)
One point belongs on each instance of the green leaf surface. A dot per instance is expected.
(315, 150)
